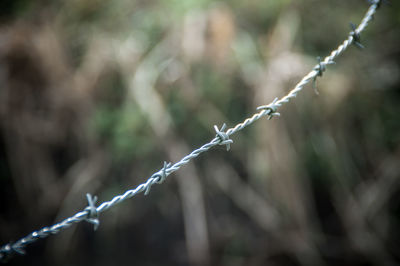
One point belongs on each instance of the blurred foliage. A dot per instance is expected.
(95, 95)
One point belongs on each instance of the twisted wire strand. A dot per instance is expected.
(91, 212)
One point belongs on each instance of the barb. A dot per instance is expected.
(8, 250)
(91, 213)
(270, 108)
(163, 174)
(157, 178)
(356, 36)
(320, 68)
(378, 2)
(223, 137)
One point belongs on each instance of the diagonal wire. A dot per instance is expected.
(91, 212)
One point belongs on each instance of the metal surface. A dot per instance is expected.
(91, 212)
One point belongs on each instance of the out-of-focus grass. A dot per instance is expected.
(95, 95)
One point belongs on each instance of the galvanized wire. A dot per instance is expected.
(91, 213)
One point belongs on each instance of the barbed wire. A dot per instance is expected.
(91, 212)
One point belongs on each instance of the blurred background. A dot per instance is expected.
(96, 95)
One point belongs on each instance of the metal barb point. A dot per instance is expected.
(163, 174)
(7, 251)
(272, 107)
(356, 36)
(320, 68)
(157, 177)
(18, 250)
(223, 137)
(92, 214)
(378, 2)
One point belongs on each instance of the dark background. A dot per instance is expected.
(95, 95)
